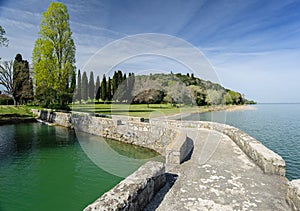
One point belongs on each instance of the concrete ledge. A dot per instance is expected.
(179, 149)
(134, 192)
(293, 194)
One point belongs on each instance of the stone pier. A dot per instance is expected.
(209, 166)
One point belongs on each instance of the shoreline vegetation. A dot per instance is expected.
(15, 114)
(22, 114)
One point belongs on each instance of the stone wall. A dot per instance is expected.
(293, 194)
(134, 192)
(57, 118)
(155, 137)
(158, 135)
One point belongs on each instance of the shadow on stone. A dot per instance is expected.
(190, 144)
(158, 198)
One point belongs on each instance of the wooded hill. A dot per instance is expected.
(183, 89)
(156, 88)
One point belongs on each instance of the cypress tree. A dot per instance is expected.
(22, 83)
(84, 87)
(120, 78)
(109, 96)
(97, 83)
(103, 88)
(114, 83)
(78, 91)
(91, 86)
(97, 88)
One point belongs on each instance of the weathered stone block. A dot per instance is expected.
(135, 191)
(293, 194)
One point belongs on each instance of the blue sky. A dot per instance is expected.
(254, 46)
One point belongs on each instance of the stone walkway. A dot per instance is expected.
(229, 180)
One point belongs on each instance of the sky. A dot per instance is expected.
(252, 46)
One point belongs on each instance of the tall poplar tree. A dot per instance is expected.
(91, 86)
(53, 57)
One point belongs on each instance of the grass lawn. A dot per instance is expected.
(7, 111)
(138, 110)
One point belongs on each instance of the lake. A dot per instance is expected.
(277, 126)
(46, 168)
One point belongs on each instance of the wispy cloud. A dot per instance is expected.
(245, 41)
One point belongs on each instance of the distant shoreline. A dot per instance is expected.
(229, 108)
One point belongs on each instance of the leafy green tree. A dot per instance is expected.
(91, 86)
(103, 89)
(214, 97)
(53, 57)
(227, 99)
(84, 86)
(3, 39)
(78, 90)
(236, 97)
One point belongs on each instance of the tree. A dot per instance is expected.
(22, 83)
(84, 86)
(91, 86)
(227, 99)
(97, 83)
(98, 93)
(214, 97)
(97, 89)
(53, 57)
(78, 90)
(72, 86)
(236, 97)
(103, 88)
(3, 39)
(109, 96)
(6, 77)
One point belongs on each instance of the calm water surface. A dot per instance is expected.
(45, 168)
(277, 126)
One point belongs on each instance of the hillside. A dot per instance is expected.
(184, 89)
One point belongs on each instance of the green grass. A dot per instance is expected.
(137, 110)
(7, 111)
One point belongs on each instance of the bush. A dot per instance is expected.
(6, 100)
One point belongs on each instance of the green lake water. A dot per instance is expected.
(46, 168)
